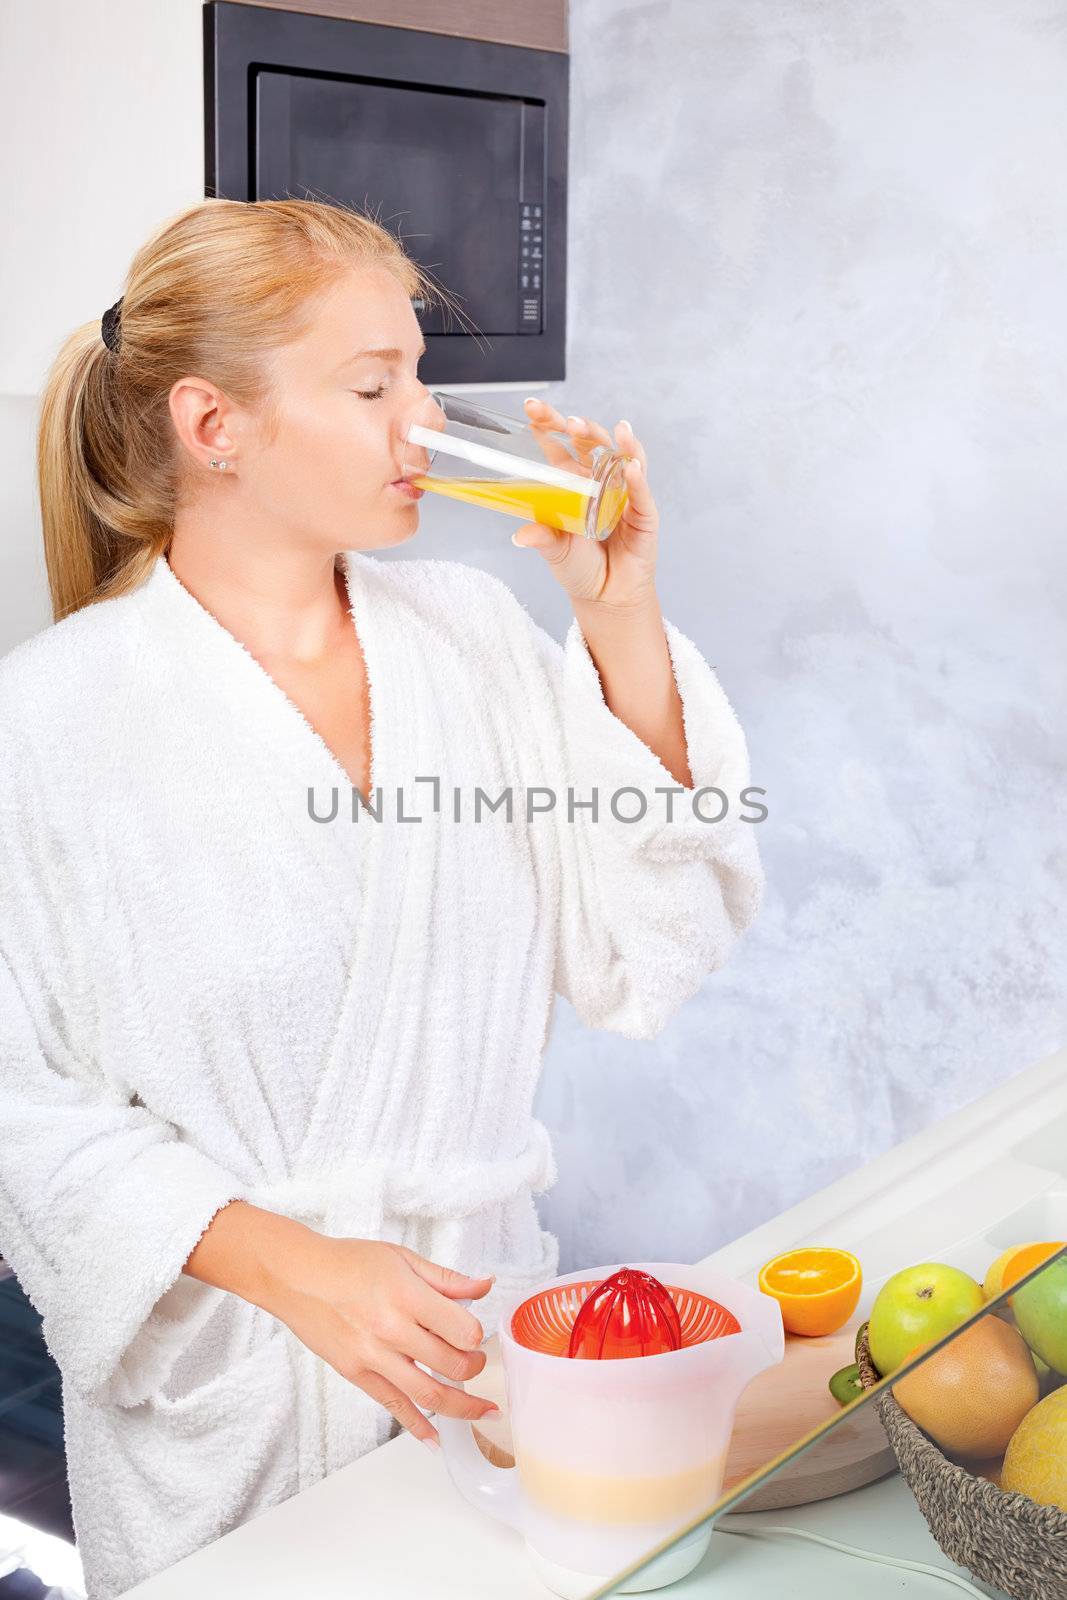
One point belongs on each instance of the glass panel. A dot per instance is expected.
(990, 1398)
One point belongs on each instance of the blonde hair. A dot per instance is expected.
(212, 292)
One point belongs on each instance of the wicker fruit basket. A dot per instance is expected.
(1007, 1540)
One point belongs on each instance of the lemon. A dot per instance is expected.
(1035, 1462)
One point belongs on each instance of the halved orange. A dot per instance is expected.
(993, 1282)
(817, 1286)
(1026, 1259)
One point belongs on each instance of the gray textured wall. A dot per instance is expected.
(819, 260)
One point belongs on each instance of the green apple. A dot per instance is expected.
(1040, 1308)
(917, 1305)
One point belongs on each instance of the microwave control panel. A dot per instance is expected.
(531, 265)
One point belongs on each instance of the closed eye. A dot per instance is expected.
(371, 394)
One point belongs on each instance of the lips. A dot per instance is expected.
(408, 490)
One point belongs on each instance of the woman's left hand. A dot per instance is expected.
(618, 572)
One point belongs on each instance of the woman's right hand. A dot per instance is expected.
(372, 1310)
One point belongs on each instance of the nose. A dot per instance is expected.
(429, 413)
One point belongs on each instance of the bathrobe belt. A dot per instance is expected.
(358, 1201)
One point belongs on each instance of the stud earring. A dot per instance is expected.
(222, 465)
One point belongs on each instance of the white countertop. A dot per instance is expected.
(391, 1526)
(882, 1518)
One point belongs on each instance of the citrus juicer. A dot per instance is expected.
(629, 1314)
(621, 1397)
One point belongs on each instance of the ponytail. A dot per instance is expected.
(97, 543)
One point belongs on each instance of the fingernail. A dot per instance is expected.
(515, 541)
(624, 424)
(431, 1444)
(636, 464)
(494, 1411)
(578, 420)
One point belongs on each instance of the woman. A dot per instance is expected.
(268, 1060)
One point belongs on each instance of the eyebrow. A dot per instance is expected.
(385, 355)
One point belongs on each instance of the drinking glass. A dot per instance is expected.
(510, 464)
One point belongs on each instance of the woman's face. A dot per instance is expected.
(327, 471)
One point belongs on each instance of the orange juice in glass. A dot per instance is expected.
(508, 464)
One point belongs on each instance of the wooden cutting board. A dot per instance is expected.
(778, 1408)
(788, 1401)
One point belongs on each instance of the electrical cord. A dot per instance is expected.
(854, 1550)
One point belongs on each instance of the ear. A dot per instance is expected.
(203, 419)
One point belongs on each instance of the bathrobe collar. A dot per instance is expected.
(239, 701)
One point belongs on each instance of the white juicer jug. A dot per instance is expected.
(613, 1456)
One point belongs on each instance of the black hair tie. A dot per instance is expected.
(109, 325)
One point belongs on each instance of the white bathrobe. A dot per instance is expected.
(206, 993)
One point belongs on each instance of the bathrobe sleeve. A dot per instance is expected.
(648, 907)
(101, 1203)
(100, 1207)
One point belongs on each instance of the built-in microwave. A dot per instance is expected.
(459, 145)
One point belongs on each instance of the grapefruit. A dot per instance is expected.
(971, 1395)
